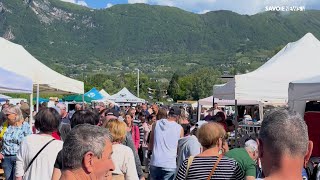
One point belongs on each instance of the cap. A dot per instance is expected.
(175, 111)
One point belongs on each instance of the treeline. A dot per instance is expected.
(192, 86)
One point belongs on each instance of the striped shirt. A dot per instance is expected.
(138, 123)
(202, 166)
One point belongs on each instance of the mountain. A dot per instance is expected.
(159, 40)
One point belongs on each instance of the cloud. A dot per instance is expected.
(79, 2)
(82, 3)
(137, 1)
(109, 5)
(203, 11)
(240, 6)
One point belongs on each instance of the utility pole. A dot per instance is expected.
(138, 83)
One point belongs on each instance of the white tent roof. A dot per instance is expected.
(124, 96)
(16, 59)
(301, 91)
(270, 82)
(223, 102)
(104, 94)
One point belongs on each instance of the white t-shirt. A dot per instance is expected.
(42, 166)
(124, 163)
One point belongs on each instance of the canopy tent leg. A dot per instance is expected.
(261, 111)
(37, 98)
(199, 111)
(31, 110)
(236, 122)
(83, 101)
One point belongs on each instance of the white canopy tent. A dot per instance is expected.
(125, 96)
(301, 91)
(104, 94)
(16, 59)
(270, 82)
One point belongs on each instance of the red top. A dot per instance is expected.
(56, 135)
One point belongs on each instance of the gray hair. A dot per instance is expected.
(82, 139)
(15, 109)
(61, 106)
(284, 133)
(251, 145)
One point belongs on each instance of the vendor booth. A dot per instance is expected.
(125, 97)
(269, 83)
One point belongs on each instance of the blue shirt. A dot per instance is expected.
(13, 137)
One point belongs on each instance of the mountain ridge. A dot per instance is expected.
(73, 39)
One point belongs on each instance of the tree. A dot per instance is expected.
(173, 87)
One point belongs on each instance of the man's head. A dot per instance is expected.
(88, 148)
(252, 148)
(111, 105)
(144, 107)
(77, 107)
(84, 117)
(102, 106)
(283, 135)
(155, 108)
(63, 109)
(174, 113)
(47, 120)
(4, 107)
(215, 106)
(142, 116)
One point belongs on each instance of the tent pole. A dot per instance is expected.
(83, 101)
(31, 110)
(236, 122)
(138, 83)
(38, 97)
(212, 96)
(199, 111)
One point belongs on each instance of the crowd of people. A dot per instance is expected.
(146, 142)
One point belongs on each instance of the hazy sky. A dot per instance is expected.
(202, 6)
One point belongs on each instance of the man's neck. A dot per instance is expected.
(76, 175)
(290, 168)
(172, 119)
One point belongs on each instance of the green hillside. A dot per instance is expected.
(78, 41)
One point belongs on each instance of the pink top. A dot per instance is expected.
(135, 136)
(147, 129)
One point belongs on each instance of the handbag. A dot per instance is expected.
(34, 158)
(190, 159)
(214, 167)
